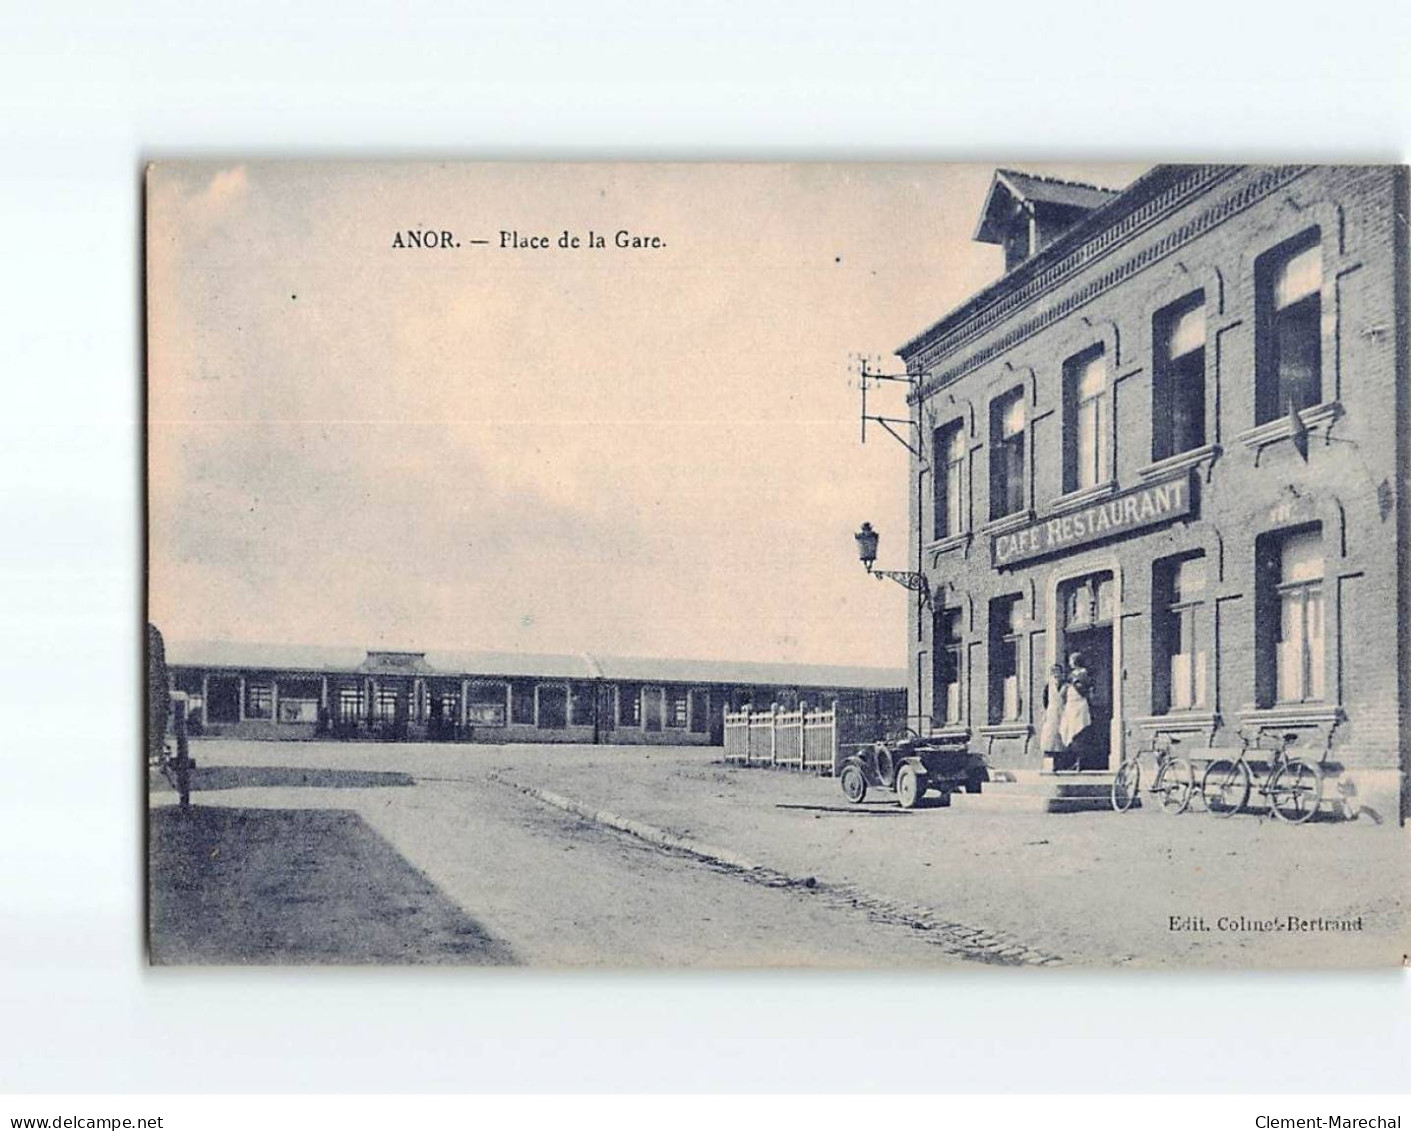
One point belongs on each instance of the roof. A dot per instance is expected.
(745, 671)
(313, 658)
(1145, 188)
(1010, 184)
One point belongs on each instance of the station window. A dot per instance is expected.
(384, 704)
(259, 699)
(1005, 618)
(580, 704)
(1007, 454)
(629, 705)
(1291, 645)
(949, 652)
(949, 446)
(607, 706)
(700, 710)
(299, 700)
(485, 705)
(1289, 339)
(446, 704)
(1085, 420)
(553, 706)
(1178, 378)
(677, 707)
(1178, 643)
(522, 702)
(350, 704)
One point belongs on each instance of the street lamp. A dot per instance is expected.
(867, 545)
(867, 540)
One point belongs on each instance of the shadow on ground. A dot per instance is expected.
(235, 886)
(892, 809)
(207, 778)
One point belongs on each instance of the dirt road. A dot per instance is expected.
(447, 866)
(885, 887)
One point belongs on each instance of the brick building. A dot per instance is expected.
(1173, 438)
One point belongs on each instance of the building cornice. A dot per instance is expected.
(1093, 239)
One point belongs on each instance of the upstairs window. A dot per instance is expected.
(1086, 421)
(950, 480)
(1289, 336)
(1178, 378)
(1007, 422)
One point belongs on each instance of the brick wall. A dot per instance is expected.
(1245, 488)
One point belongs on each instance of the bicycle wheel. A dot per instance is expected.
(1173, 786)
(1127, 784)
(1295, 791)
(1225, 787)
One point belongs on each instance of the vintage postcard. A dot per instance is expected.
(850, 565)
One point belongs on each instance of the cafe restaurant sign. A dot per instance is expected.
(1126, 513)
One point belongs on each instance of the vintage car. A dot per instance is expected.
(910, 765)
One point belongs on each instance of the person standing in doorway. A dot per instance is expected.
(1051, 732)
(1076, 723)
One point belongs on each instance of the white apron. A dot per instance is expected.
(1077, 716)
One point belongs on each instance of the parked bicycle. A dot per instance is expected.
(1172, 785)
(1293, 786)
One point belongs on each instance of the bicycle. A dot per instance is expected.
(1293, 786)
(1171, 788)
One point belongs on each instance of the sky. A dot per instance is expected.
(623, 451)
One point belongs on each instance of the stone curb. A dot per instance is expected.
(955, 938)
(639, 829)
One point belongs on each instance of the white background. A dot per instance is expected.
(88, 92)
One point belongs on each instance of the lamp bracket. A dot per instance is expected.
(908, 579)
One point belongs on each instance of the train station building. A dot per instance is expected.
(1172, 438)
(256, 691)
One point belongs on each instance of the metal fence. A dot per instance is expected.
(801, 740)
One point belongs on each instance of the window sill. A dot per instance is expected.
(1008, 522)
(1272, 431)
(1196, 720)
(1013, 729)
(1080, 498)
(957, 731)
(1292, 714)
(945, 545)
(1193, 458)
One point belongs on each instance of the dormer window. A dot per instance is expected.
(1024, 214)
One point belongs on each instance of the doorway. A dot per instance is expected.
(223, 705)
(1087, 607)
(653, 707)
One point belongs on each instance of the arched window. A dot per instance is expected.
(1289, 334)
(1086, 421)
(1007, 423)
